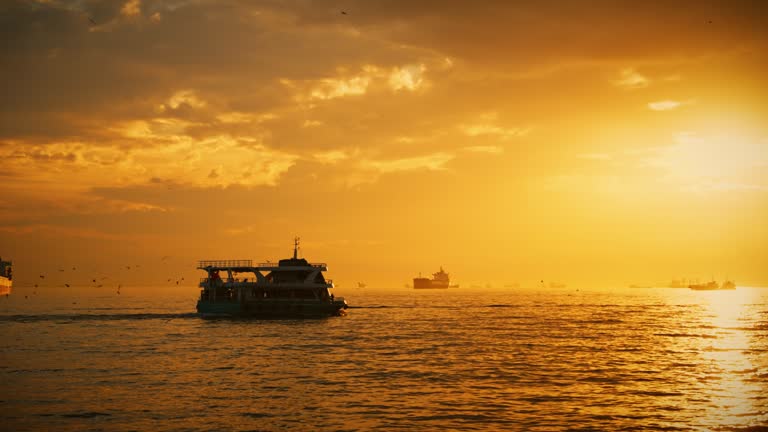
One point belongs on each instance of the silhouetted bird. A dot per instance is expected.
(42, 276)
(94, 281)
(74, 268)
(61, 270)
(92, 21)
(177, 282)
(343, 12)
(127, 267)
(66, 285)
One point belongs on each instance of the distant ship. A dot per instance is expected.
(712, 286)
(440, 280)
(6, 277)
(293, 288)
(679, 283)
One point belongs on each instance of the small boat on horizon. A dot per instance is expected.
(713, 286)
(679, 283)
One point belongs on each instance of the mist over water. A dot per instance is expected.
(653, 359)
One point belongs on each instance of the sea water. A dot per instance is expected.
(650, 359)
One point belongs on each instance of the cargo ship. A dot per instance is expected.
(6, 277)
(440, 280)
(709, 286)
(294, 288)
(712, 286)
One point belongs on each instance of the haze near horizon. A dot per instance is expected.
(600, 143)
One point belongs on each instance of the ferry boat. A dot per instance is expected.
(6, 277)
(440, 280)
(294, 288)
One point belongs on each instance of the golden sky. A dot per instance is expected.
(602, 142)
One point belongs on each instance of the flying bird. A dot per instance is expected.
(92, 21)
(66, 285)
(343, 12)
(42, 276)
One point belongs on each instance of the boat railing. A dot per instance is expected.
(206, 280)
(224, 263)
(272, 264)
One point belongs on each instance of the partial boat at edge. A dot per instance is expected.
(6, 277)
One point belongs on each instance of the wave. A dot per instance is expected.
(686, 335)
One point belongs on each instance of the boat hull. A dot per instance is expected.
(277, 308)
(424, 283)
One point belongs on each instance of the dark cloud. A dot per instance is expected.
(58, 67)
(521, 33)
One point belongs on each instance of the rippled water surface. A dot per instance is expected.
(647, 359)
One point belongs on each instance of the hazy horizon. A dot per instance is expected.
(600, 144)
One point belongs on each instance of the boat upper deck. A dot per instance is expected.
(242, 266)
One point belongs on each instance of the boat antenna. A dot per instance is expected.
(295, 247)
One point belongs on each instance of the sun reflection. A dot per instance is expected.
(726, 314)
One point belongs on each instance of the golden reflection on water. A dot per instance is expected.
(728, 354)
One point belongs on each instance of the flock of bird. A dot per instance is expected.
(98, 281)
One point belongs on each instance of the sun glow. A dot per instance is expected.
(731, 392)
(724, 161)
